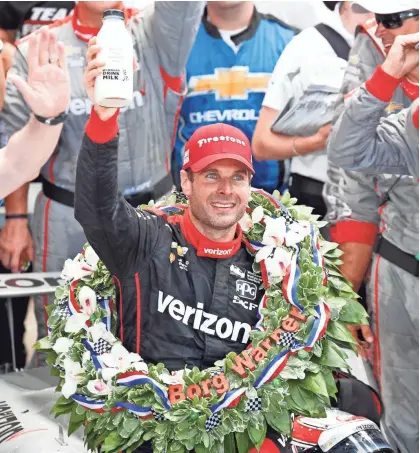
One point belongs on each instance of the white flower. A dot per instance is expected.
(75, 270)
(276, 260)
(73, 375)
(98, 331)
(87, 300)
(176, 377)
(119, 360)
(275, 231)
(86, 357)
(245, 223)
(76, 323)
(99, 387)
(62, 345)
(91, 258)
(297, 232)
(141, 366)
(257, 214)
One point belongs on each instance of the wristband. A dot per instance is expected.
(16, 216)
(52, 121)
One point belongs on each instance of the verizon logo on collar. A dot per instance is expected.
(218, 252)
(207, 323)
(204, 141)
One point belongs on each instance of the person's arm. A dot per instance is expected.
(19, 165)
(121, 235)
(174, 26)
(383, 146)
(47, 93)
(267, 145)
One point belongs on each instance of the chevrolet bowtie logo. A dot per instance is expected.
(229, 83)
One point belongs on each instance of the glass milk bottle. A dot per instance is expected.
(114, 88)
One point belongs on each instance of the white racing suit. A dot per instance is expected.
(162, 41)
(362, 208)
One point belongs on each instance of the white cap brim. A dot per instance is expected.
(386, 6)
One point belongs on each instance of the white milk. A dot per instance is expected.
(114, 88)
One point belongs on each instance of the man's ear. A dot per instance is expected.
(186, 183)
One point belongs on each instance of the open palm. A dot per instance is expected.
(47, 90)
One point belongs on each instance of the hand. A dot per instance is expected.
(403, 57)
(16, 244)
(322, 135)
(364, 346)
(47, 91)
(93, 70)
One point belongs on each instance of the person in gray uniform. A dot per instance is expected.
(375, 219)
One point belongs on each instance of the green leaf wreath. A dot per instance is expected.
(123, 402)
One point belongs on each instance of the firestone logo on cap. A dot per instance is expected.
(221, 138)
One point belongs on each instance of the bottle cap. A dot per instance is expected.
(117, 13)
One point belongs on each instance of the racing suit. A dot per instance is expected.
(368, 204)
(389, 146)
(162, 40)
(184, 299)
(227, 83)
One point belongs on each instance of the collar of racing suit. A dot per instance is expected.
(86, 33)
(204, 246)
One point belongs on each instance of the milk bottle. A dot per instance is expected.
(114, 88)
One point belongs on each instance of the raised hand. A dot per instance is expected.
(47, 90)
(403, 57)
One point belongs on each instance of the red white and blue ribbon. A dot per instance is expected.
(230, 400)
(105, 305)
(273, 369)
(139, 411)
(95, 359)
(317, 257)
(132, 378)
(319, 327)
(290, 281)
(92, 405)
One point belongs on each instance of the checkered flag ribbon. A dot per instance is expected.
(253, 405)
(60, 368)
(158, 417)
(287, 339)
(101, 347)
(289, 219)
(62, 312)
(213, 421)
(216, 372)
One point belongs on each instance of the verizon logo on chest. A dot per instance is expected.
(207, 323)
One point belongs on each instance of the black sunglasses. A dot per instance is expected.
(395, 20)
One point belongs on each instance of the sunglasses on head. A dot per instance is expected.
(395, 20)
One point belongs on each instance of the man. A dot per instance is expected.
(228, 70)
(320, 49)
(136, 245)
(27, 150)
(388, 146)
(375, 220)
(162, 40)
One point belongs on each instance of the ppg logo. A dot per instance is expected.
(246, 289)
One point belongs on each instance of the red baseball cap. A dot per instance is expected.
(217, 141)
